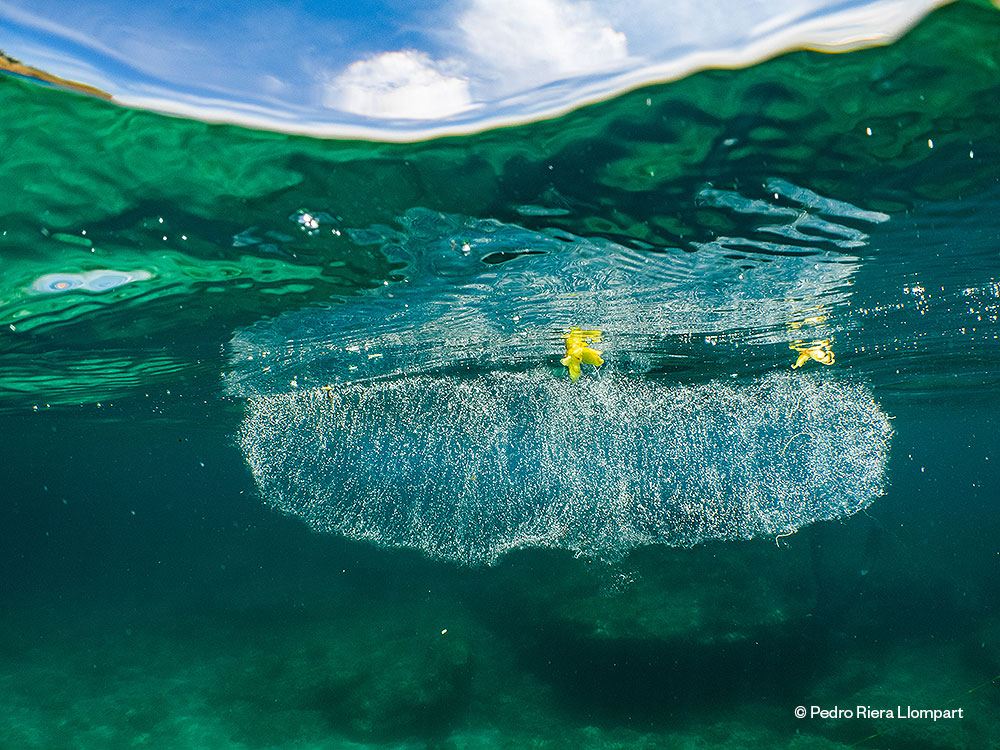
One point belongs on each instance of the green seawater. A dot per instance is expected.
(152, 598)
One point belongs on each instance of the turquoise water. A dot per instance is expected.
(186, 564)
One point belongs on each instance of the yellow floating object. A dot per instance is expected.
(818, 350)
(577, 351)
(811, 320)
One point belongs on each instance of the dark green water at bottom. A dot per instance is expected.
(151, 597)
(149, 601)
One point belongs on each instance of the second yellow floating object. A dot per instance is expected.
(578, 350)
(817, 350)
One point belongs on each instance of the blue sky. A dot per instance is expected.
(400, 69)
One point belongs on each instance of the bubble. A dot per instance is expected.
(100, 280)
(469, 468)
(57, 282)
(107, 280)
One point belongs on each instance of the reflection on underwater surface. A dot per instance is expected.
(313, 303)
(494, 294)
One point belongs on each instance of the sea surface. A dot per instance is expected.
(291, 458)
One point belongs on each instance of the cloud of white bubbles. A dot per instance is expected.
(468, 468)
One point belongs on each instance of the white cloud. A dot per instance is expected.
(405, 85)
(493, 48)
(525, 42)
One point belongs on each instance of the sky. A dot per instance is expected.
(407, 69)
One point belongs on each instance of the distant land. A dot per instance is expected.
(11, 65)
